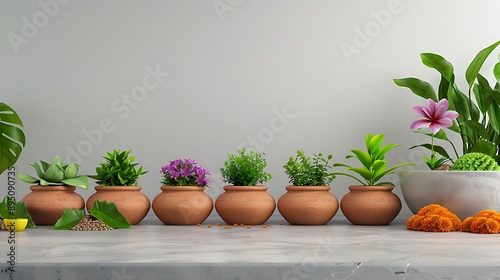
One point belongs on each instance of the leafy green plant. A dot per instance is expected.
(246, 168)
(118, 170)
(12, 138)
(478, 122)
(10, 209)
(475, 161)
(56, 173)
(104, 211)
(374, 164)
(70, 218)
(303, 171)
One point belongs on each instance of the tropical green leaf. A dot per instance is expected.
(9, 206)
(109, 214)
(81, 182)
(444, 88)
(385, 149)
(418, 87)
(438, 149)
(12, 138)
(349, 175)
(476, 64)
(476, 128)
(494, 116)
(441, 134)
(442, 65)
(38, 170)
(496, 72)
(27, 178)
(366, 174)
(374, 142)
(70, 218)
(484, 147)
(363, 157)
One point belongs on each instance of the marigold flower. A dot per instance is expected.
(485, 222)
(434, 218)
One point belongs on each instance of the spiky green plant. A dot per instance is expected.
(56, 173)
(118, 170)
(374, 164)
(475, 162)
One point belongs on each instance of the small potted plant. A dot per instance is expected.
(308, 200)
(183, 200)
(473, 115)
(14, 215)
(246, 201)
(54, 190)
(117, 182)
(372, 202)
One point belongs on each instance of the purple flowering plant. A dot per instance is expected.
(184, 172)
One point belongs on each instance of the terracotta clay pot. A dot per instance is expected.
(45, 204)
(370, 205)
(182, 205)
(249, 205)
(308, 205)
(129, 200)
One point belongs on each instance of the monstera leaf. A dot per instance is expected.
(12, 139)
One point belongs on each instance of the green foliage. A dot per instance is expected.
(118, 170)
(105, 212)
(109, 214)
(475, 161)
(302, 171)
(11, 209)
(12, 139)
(478, 123)
(374, 166)
(70, 218)
(245, 169)
(56, 173)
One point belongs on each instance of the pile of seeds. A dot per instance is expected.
(90, 223)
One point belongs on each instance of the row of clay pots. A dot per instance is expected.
(190, 205)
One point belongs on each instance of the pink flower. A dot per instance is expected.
(435, 116)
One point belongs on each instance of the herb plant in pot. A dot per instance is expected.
(183, 200)
(246, 201)
(372, 202)
(308, 200)
(54, 190)
(474, 116)
(117, 179)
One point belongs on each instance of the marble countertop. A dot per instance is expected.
(337, 250)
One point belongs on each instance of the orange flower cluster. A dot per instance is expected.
(486, 221)
(434, 218)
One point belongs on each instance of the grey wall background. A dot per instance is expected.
(199, 79)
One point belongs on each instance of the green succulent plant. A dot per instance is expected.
(475, 162)
(118, 170)
(56, 173)
(302, 171)
(373, 161)
(245, 169)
